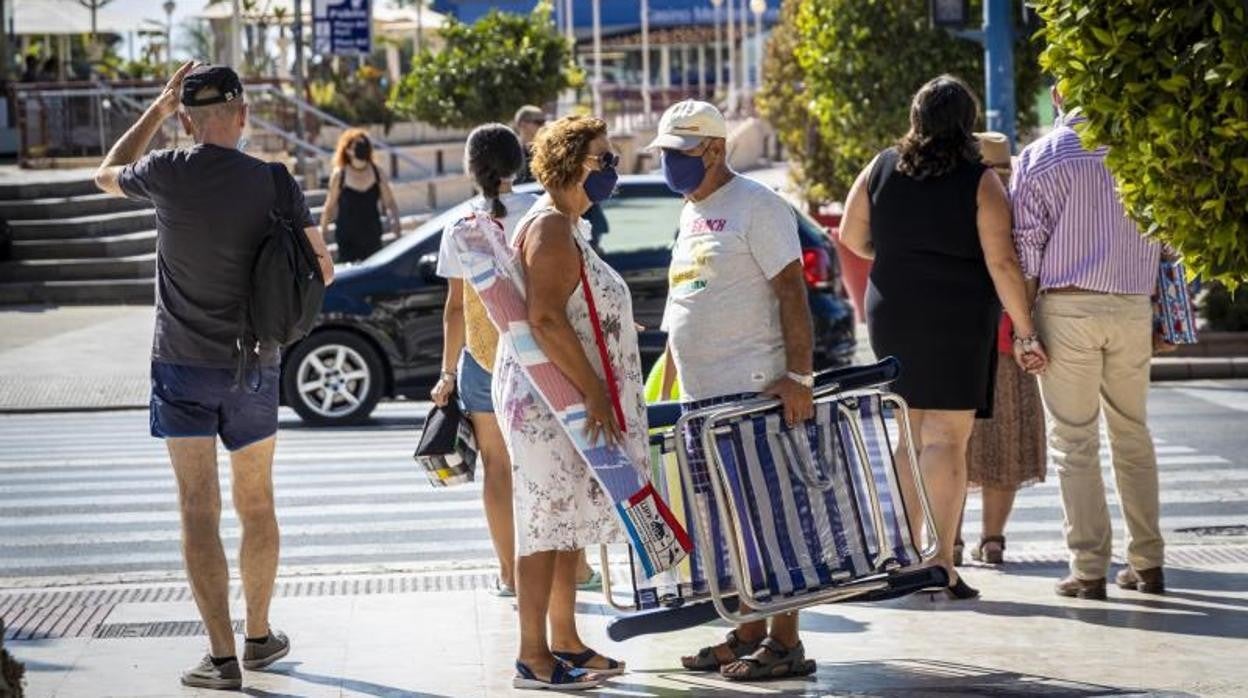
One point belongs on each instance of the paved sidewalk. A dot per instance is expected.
(1020, 639)
(74, 357)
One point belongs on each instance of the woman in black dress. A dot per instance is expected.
(937, 223)
(356, 188)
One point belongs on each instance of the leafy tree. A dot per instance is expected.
(783, 101)
(860, 62)
(488, 69)
(1165, 86)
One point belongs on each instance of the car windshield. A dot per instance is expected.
(434, 226)
(640, 223)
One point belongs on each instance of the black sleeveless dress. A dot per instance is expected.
(930, 300)
(358, 223)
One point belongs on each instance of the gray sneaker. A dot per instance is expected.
(258, 656)
(208, 675)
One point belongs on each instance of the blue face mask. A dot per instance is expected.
(600, 183)
(683, 173)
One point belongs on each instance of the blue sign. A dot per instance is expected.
(342, 27)
(617, 15)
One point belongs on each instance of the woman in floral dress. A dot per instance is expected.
(559, 506)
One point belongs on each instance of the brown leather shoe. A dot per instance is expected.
(1151, 581)
(1077, 588)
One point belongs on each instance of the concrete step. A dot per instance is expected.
(91, 292)
(142, 266)
(47, 185)
(107, 225)
(66, 207)
(123, 245)
(98, 225)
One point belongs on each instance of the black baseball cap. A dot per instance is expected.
(221, 77)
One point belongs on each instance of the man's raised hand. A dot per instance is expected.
(171, 96)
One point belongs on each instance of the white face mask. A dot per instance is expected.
(242, 143)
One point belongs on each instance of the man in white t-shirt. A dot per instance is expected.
(738, 325)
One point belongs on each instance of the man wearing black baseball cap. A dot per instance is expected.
(212, 209)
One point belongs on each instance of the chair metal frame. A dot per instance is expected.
(727, 510)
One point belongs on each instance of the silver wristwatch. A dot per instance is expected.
(804, 379)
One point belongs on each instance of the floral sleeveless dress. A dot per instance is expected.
(558, 503)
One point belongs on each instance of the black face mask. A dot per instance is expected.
(362, 150)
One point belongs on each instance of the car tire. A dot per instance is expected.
(341, 364)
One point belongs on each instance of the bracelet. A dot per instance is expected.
(1027, 341)
(447, 375)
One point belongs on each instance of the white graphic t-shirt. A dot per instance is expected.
(722, 318)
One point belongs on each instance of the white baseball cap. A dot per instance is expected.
(686, 123)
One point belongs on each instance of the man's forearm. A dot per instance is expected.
(1033, 287)
(795, 321)
(133, 143)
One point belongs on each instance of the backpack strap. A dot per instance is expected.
(247, 347)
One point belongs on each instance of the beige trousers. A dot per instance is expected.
(1100, 346)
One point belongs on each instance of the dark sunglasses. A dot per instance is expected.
(607, 159)
(536, 122)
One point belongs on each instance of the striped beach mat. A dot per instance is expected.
(493, 269)
(799, 501)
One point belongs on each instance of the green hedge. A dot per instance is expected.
(1165, 86)
(852, 69)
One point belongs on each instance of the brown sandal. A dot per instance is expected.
(990, 557)
(706, 660)
(772, 660)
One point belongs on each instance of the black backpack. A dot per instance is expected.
(286, 285)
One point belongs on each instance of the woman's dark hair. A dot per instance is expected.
(942, 129)
(493, 153)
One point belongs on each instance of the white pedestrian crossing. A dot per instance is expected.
(93, 494)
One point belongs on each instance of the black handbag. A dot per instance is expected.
(447, 448)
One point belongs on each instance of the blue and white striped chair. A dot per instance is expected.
(783, 518)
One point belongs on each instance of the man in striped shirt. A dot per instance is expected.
(1095, 275)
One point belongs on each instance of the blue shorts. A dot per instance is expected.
(474, 386)
(196, 401)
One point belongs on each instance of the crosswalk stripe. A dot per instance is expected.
(410, 478)
(281, 482)
(292, 553)
(172, 517)
(230, 532)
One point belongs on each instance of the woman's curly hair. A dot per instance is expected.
(942, 129)
(561, 148)
(493, 153)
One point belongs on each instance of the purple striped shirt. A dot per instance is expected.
(1069, 224)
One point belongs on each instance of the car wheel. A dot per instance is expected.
(333, 378)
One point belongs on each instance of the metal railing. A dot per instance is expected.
(58, 121)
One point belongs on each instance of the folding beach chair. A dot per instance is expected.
(782, 518)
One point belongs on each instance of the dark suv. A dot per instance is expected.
(380, 332)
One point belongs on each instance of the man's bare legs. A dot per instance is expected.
(252, 486)
(194, 462)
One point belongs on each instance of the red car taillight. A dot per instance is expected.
(815, 263)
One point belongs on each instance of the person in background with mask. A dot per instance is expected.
(560, 509)
(212, 210)
(356, 188)
(738, 326)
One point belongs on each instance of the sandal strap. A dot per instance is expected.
(999, 540)
(579, 660)
(576, 659)
(738, 646)
(563, 674)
